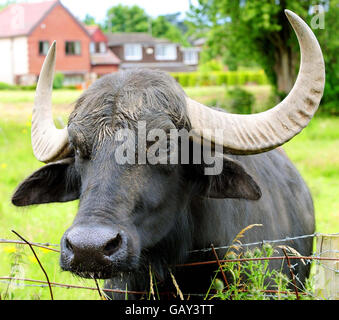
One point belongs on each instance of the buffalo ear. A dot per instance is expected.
(55, 182)
(232, 182)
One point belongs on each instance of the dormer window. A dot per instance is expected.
(102, 47)
(191, 56)
(166, 51)
(97, 47)
(92, 47)
(133, 52)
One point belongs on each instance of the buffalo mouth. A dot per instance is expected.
(108, 271)
(100, 275)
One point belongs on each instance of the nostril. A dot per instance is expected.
(113, 245)
(68, 245)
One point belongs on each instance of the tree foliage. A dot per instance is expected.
(163, 28)
(329, 42)
(6, 4)
(89, 20)
(251, 32)
(123, 18)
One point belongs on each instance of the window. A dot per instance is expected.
(74, 79)
(166, 52)
(73, 48)
(97, 47)
(133, 51)
(43, 47)
(102, 47)
(92, 47)
(190, 56)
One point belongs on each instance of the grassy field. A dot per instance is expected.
(315, 152)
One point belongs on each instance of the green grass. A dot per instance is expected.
(315, 152)
(207, 94)
(59, 96)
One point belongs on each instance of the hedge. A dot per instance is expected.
(218, 78)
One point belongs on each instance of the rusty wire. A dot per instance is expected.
(213, 249)
(38, 260)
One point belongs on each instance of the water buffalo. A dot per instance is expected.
(134, 216)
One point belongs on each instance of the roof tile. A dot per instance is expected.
(20, 19)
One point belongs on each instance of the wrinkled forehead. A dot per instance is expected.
(123, 100)
(130, 95)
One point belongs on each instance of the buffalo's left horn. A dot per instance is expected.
(49, 143)
(256, 133)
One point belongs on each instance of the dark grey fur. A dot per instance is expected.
(165, 210)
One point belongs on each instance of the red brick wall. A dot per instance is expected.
(60, 26)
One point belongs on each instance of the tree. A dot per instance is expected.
(162, 28)
(174, 19)
(6, 4)
(89, 20)
(123, 18)
(244, 31)
(329, 42)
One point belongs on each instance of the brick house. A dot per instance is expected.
(142, 50)
(103, 60)
(28, 29)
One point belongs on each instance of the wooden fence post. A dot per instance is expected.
(327, 272)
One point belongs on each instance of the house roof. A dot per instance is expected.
(95, 33)
(165, 66)
(107, 58)
(91, 29)
(21, 19)
(120, 38)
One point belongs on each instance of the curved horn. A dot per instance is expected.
(256, 133)
(49, 143)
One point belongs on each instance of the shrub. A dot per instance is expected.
(193, 79)
(183, 79)
(58, 81)
(251, 279)
(71, 87)
(232, 78)
(212, 78)
(211, 66)
(205, 79)
(27, 88)
(240, 101)
(221, 78)
(6, 86)
(258, 77)
(243, 77)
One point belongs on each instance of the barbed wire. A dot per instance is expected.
(317, 256)
(261, 242)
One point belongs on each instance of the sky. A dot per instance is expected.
(99, 8)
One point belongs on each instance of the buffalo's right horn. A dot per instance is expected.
(49, 143)
(256, 133)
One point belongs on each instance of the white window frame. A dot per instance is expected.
(102, 47)
(161, 54)
(188, 59)
(92, 47)
(45, 47)
(133, 51)
(76, 46)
